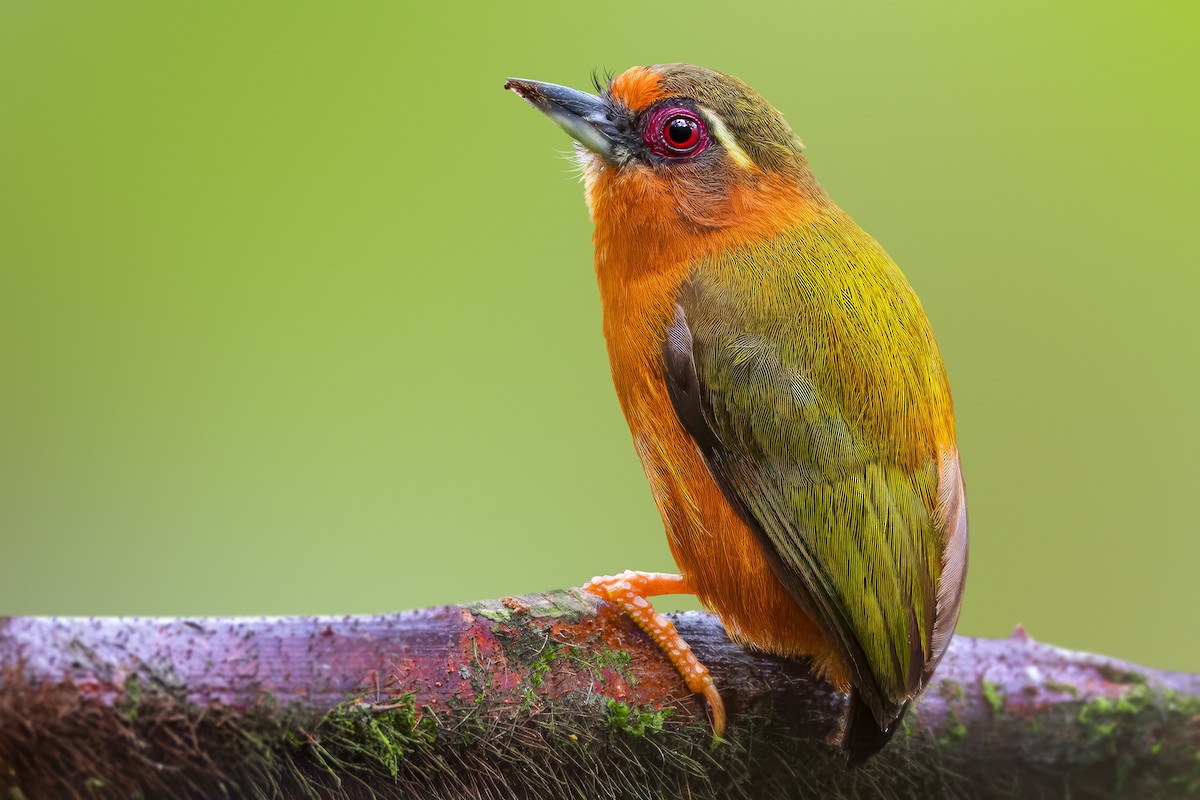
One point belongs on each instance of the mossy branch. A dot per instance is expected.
(551, 695)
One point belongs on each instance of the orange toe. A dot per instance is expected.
(629, 591)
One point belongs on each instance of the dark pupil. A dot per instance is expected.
(681, 131)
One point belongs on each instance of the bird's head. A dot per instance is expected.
(679, 144)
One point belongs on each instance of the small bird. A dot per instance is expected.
(785, 393)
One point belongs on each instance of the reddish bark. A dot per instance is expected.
(165, 707)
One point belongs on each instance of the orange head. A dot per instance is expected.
(681, 148)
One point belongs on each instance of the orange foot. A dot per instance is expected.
(629, 591)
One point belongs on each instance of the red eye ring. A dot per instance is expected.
(675, 132)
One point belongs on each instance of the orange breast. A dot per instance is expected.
(639, 273)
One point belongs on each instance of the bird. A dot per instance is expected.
(783, 387)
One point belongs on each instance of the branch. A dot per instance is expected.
(548, 696)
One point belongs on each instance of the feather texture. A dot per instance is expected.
(824, 423)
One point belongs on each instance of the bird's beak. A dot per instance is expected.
(587, 118)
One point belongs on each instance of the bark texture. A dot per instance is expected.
(552, 695)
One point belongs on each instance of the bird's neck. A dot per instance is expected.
(648, 230)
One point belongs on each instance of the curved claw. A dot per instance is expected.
(718, 710)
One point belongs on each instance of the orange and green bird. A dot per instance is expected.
(784, 390)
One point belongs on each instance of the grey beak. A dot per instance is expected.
(586, 117)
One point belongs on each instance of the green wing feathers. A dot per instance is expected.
(806, 372)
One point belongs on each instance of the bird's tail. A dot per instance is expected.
(863, 736)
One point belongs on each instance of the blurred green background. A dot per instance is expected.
(297, 312)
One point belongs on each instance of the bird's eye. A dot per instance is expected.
(675, 132)
(682, 133)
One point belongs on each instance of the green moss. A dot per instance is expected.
(1172, 702)
(133, 697)
(598, 662)
(618, 661)
(568, 607)
(993, 693)
(478, 674)
(1115, 674)
(955, 730)
(357, 736)
(636, 721)
(1103, 713)
(538, 668)
(1112, 725)
(1065, 688)
(541, 664)
(1097, 716)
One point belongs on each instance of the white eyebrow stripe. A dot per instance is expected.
(727, 139)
